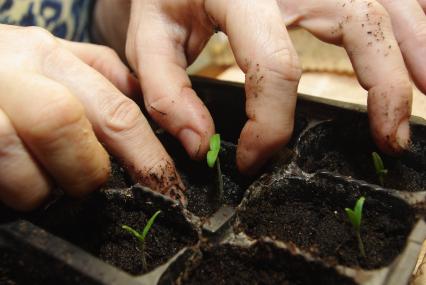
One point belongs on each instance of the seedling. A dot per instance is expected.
(213, 159)
(380, 168)
(355, 217)
(141, 236)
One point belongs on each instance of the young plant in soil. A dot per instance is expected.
(355, 217)
(380, 168)
(212, 160)
(141, 236)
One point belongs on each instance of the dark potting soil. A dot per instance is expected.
(14, 270)
(345, 147)
(201, 181)
(311, 215)
(300, 124)
(95, 225)
(119, 179)
(229, 264)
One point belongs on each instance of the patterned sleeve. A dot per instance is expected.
(67, 19)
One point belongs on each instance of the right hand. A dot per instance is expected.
(56, 106)
(161, 37)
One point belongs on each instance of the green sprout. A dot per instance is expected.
(355, 217)
(141, 236)
(213, 159)
(380, 168)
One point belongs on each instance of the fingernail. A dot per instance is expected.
(403, 135)
(191, 141)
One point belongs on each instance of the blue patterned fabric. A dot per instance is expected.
(68, 19)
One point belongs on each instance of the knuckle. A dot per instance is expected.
(121, 114)
(403, 87)
(108, 52)
(56, 119)
(400, 83)
(403, 81)
(285, 65)
(40, 37)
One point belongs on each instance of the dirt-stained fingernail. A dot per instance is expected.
(403, 135)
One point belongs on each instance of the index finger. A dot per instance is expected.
(364, 28)
(118, 122)
(264, 52)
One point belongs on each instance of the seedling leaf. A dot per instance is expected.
(378, 162)
(149, 224)
(142, 235)
(358, 208)
(215, 142)
(380, 168)
(133, 232)
(355, 217)
(214, 150)
(352, 217)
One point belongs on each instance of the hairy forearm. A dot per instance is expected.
(110, 22)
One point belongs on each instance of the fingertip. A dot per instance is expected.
(389, 111)
(161, 176)
(98, 174)
(191, 141)
(29, 196)
(393, 144)
(248, 161)
(403, 135)
(258, 143)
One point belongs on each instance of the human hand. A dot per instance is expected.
(56, 106)
(164, 37)
(377, 36)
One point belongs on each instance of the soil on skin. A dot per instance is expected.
(311, 215)
(345, 146)
(260, 265)
(201, 181)
(95, 225)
